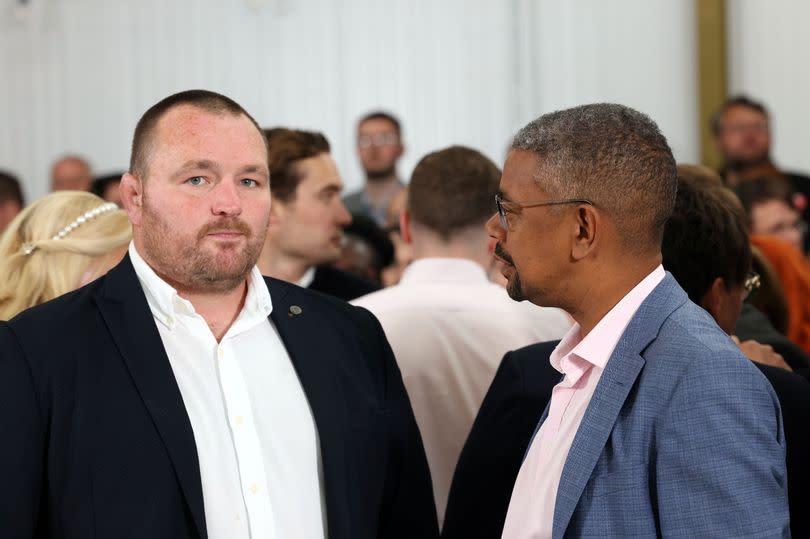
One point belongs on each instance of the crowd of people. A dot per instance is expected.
(593, 340)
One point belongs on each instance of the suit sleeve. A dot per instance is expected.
(720, 458)
(491, 458)
(407, 510)
(22, 442)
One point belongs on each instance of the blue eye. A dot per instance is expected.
(196, 180)
(247, 182)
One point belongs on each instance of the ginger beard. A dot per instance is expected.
(206, 263)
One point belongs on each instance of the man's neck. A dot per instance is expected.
(604, 289)
(467, 246)
(219, 309)
(380, 190)
(274, 263)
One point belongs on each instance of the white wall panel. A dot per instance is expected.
(769, 55)
(78, 73)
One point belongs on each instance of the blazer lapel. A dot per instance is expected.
(125, 311)
(618, 378)
(301, 327)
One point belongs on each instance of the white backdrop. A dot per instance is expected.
(78, 73)
(769, 59)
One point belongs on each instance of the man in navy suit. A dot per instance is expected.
(183, 395)
(660, 426)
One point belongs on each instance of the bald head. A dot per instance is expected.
(71, 173)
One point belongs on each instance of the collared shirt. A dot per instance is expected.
(582, 360)
(256, 439)
(307, 278)
(449, 327)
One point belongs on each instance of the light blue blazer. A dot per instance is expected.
(682, 437)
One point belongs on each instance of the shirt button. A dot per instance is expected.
(220, 353)
(239, 419)
(254, 488)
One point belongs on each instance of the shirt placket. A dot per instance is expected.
(246, 441)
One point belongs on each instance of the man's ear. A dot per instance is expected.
(131, 191)
(712, 300)
(587, 230)
(277, 209)
(405, 226)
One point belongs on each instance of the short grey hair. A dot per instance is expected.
(612, 155)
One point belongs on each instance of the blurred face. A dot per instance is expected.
(777, 218)
(533, 248)
(309, 227)
(200, 217)
(71, 174)
(744, 137)
(379, 148)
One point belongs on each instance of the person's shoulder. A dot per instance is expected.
(58, 315)
(326, 304)
(341, 284)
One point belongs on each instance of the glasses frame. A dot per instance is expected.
(751, 284)
(502, 212)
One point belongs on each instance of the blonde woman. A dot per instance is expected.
(57, 244)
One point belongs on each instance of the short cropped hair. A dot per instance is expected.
(10, 188)
(144, 138)
(453, 189)
(286, 148)
(736, 101)
(382, 115)
(615, 157)
(706, 237)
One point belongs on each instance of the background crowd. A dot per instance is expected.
(415, 252)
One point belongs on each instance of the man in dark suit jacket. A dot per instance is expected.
(183, 395)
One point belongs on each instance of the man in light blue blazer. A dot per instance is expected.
(659, 427)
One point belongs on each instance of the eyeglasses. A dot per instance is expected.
(506, 206)
(751, 284)
(381, 139)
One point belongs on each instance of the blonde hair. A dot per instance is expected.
(35, 267)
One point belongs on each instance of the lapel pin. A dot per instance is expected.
(295, 310)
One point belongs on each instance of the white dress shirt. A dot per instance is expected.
(449, 327)
(256, 439)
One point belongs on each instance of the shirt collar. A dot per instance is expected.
(166, 304)
(597, 347)
(307, 278)
(456, 270)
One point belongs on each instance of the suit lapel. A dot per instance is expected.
(301, 327)
(619, 376)
(125, 311)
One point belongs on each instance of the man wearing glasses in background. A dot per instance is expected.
(660, 427)
(379, 146)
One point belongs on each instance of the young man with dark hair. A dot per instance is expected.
(379, 147)
(447, 323)
(183, 395)
(307, 217)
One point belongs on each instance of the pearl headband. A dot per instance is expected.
(29, 248)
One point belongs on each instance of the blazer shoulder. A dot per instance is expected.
(59, 314)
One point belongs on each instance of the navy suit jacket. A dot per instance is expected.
(96, 441)
(683, 437)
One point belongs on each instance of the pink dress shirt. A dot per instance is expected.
(582, 360)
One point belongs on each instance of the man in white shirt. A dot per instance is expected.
(183, 395)
(448, 325)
